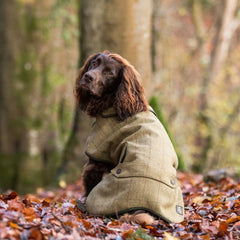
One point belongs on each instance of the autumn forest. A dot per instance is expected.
(187, 53)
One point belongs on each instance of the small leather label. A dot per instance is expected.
(179, 210)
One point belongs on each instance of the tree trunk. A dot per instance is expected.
(13, 136)
(34, 92)
(123, 27)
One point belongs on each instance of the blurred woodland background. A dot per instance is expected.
(187, 52)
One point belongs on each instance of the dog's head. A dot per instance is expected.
(100, 75)
(109, 80)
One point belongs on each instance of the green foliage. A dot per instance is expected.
(140, 233)
(62, 4)
(60, 10)
(206, 4)
(6, 171)
(27, 72)
(156, 107)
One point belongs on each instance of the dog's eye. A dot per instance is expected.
(94, 64)
(108, 73)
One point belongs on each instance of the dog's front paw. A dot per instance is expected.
(141, 218)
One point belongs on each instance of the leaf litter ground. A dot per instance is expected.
(212, 211)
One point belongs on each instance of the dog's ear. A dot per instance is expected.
(130, 97)
(81, 95)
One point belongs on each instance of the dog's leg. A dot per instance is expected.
(139, 217)
(93, 173)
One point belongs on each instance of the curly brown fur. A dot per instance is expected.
(139, 217)
(93, 173)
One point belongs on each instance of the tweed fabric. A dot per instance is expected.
(145, 172)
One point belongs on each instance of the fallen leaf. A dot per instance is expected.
(200, 199)
(234, 219)
(127, 234)
(29, 214)
(15, 205)
(6, 197)
(168, 236)
(85, 223)
(223, 226)
(35, 234)
(14, 225)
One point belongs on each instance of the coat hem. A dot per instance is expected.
(133, 209)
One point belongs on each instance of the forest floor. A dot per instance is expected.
(212, 211)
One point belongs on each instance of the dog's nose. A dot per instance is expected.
(88, 77)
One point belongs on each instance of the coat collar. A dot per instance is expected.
(110, 112)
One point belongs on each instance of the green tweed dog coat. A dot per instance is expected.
(145, 172)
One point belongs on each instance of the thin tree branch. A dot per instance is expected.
(198, 22)
(223, 38)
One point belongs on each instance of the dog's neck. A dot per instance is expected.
(97, 106)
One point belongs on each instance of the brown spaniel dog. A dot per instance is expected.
(132, 163)
(108, 80)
